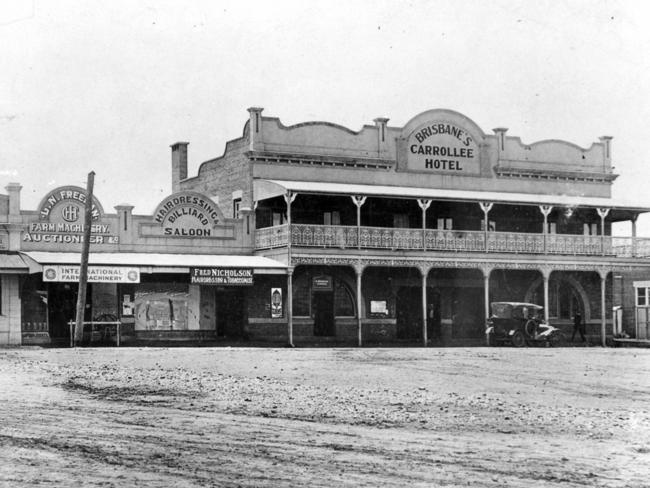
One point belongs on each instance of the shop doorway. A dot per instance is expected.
(231, 306)
(434, 316)
(62, 308)
(323, 307)
(408, 313)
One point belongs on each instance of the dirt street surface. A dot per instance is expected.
(227, 417)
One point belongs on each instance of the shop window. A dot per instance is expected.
(236, 205)
(332, 218)
(301, 296)
(161, 306)
(642, 297)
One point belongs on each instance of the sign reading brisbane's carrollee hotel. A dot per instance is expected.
(443, 147)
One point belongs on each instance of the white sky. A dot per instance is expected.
(108, 86)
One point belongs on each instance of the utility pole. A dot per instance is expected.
(85, 250)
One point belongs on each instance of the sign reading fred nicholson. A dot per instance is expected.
(222, 276)
(96, 274)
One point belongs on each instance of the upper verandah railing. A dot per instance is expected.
(352, 237)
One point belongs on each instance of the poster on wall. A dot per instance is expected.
(276, 303)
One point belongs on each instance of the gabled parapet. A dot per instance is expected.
(553, 159)
(268, 134)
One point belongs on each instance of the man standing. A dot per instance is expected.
(578, 326)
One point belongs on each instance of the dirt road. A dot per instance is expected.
(325, 417)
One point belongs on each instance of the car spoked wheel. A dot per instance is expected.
(557, 339)
(518, 339)
(530, 328)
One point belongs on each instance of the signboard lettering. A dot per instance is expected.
(187, 214)
(96, 274)
(442, 147)
(321, 283)
(222, 276)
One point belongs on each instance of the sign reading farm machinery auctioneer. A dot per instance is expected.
(222, 276)
(96, 274)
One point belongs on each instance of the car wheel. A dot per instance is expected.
(518, 339)
(530, 328)
(556, 339)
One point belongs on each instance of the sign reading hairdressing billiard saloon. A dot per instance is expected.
(441, 146)
(187, 214)
(222, 276)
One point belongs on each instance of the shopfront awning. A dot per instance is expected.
(13, 264)
(264, 189)
(161, 263)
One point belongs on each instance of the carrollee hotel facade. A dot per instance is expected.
(317, 234)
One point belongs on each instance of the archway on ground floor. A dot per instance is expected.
(393, 303)
(455, 305)
(572, 292)
(324, 303)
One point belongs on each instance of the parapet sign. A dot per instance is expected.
(441, 146)
(187, 214)
(61, 216)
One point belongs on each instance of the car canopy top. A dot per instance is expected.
(515, 310)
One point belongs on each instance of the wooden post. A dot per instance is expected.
(85, 251)
(359, 273)
(603, 310)
(424, 205)
(425, 339)
(290, 307)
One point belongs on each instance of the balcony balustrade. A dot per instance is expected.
(352, 237)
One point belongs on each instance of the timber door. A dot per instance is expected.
(230, 304)
(408, 313)
(643, 322)
(323, 305)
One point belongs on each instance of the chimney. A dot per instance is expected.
(382, 137)
(606, 141)
(255, 134)
(13, 190)
(179, 164)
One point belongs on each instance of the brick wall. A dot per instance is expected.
(222, 176)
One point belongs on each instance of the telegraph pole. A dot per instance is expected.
(85, 250)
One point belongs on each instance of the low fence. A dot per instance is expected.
(99, 332)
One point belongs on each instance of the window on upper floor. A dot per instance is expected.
(590, 229)
(332, 218)
(642, 296)
(445, 224)
(236, 205)
(278, 218)
(401, 220)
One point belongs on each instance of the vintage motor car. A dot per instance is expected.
(520, 324)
